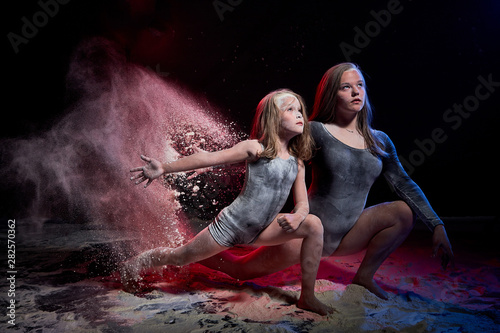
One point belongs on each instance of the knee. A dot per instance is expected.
(313, 225)
(403, 214)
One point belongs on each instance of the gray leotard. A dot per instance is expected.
(342, 178)
(267, 185)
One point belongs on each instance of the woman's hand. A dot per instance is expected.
(152, 170)
(442, 244)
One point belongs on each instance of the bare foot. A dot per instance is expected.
(314, 305)
(129, 278)
(372, 286)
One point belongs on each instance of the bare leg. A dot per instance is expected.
(311, 230)
(380, 229)
(310, 257)
(200, 247)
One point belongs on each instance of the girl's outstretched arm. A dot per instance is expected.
(244, 151)
(290, 222)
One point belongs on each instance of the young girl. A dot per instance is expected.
(280, 140)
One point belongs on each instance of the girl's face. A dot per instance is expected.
(351, 94)
(292, 121)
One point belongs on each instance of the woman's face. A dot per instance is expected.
(351, 93)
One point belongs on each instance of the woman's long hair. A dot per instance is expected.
(325, 103)
(267, 125)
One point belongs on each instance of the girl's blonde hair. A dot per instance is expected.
(267, 125)
(325, 103)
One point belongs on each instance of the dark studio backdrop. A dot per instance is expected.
(431, 67)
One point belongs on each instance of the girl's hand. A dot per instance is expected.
(289, 222)
(152, 170)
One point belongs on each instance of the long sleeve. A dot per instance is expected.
(405, 187)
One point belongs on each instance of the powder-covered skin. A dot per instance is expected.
(267, 186)
(342, 178)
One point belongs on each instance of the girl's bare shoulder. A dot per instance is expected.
(252, 148)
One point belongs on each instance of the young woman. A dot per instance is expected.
(350, 156)
(280, 141)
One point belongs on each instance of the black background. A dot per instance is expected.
(425, 60)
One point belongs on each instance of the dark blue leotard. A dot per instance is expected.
(342, 178)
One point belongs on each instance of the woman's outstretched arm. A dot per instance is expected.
(411, 193)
